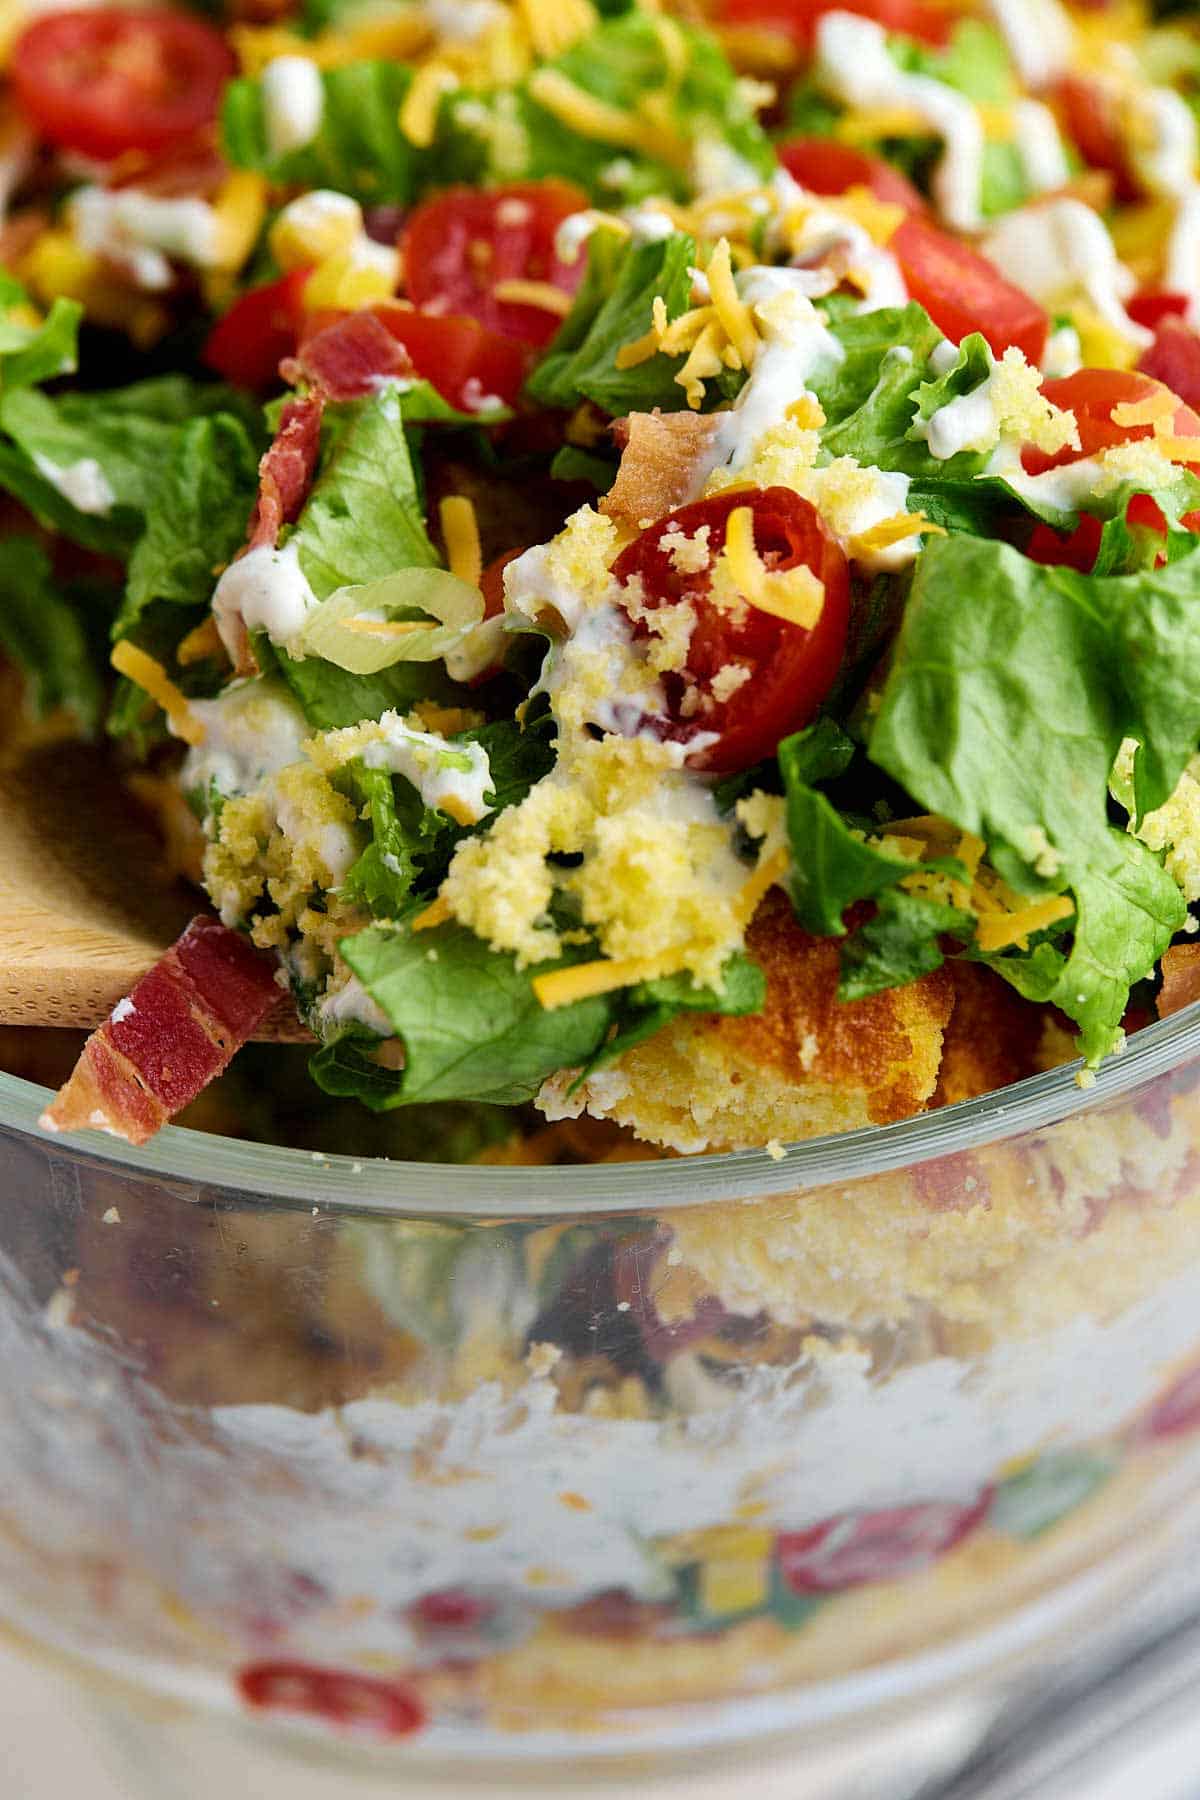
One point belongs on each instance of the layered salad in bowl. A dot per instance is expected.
(642, 562)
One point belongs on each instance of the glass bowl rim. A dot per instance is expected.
(275, 1175)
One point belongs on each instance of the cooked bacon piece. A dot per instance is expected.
(286, 470)
(347, 358)
(174, 1034)
(1180, 978)
(658, 464)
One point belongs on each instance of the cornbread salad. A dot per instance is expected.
(643, 557)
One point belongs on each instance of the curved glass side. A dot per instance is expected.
(665, 1469)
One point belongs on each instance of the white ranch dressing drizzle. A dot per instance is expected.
(1060, 248)
(853, 64)
(83, 483)
(1039, 37)
(143, 233)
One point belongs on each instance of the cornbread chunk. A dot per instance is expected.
(806, 1065)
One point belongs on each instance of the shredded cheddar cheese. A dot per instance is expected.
(418, 115)
(1156, 409)
(796, 595)
(542, 294)
(999, 931)
(436, 913)
(460, 529)
(734, 315)
(153, 679)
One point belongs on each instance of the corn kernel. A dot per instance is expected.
(239, 207)
(351, 279)
(315, 227)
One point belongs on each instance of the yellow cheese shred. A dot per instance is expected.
(436, 913)
(1153, 410)
(894, 530)
(542, 294)
(998, 931)
(735, 316)
(153, 679)
(1178, 449)
(418, 114)
(555, 26)
(792, 594)
(460, 530)
(202, 641)
(596, 120)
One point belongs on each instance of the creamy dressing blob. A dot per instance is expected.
(143, 233)
(266, 590)
(293, 99)
(83, 483)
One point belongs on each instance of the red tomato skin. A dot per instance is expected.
(491, 582)
(463, 359)
(1092, 394)
(798, 19)
(963, 292)
(825, 167)
(109, 80)
(1087, 113)
(856, 1548)
(1153, 305)
(1174, 359)
(248, 343)
(460, 244)
(791, 669)
(340, 1697)
(1071, 550)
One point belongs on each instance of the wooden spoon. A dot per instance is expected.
(86, 903)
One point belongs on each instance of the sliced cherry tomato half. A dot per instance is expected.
(466, 362)
(108, 80)
(798, 19)
(339, 1696)
(789, 669)
(1174, 359)
(1088, 111)
(491, 582)
(462, 245)
(1153, 305)
(825, 167)
(962, 291)
(855, 1548)
(1092, 395)
(248, 343)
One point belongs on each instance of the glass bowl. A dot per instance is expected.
(440, 1464)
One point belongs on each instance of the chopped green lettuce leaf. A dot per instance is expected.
(195, 518)
(471, 1024)
(899, 944)
(831, 866)
(363, 518)
(359, 148)
(1011, 689)
(613, 307)
(42, 629)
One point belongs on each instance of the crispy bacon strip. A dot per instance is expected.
(345, 361)
(286, 471)
(174, 1034)
(658, 462)
(1180, 978)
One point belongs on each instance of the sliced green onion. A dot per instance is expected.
(415, 615)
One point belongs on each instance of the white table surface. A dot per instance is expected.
(55, 1743)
